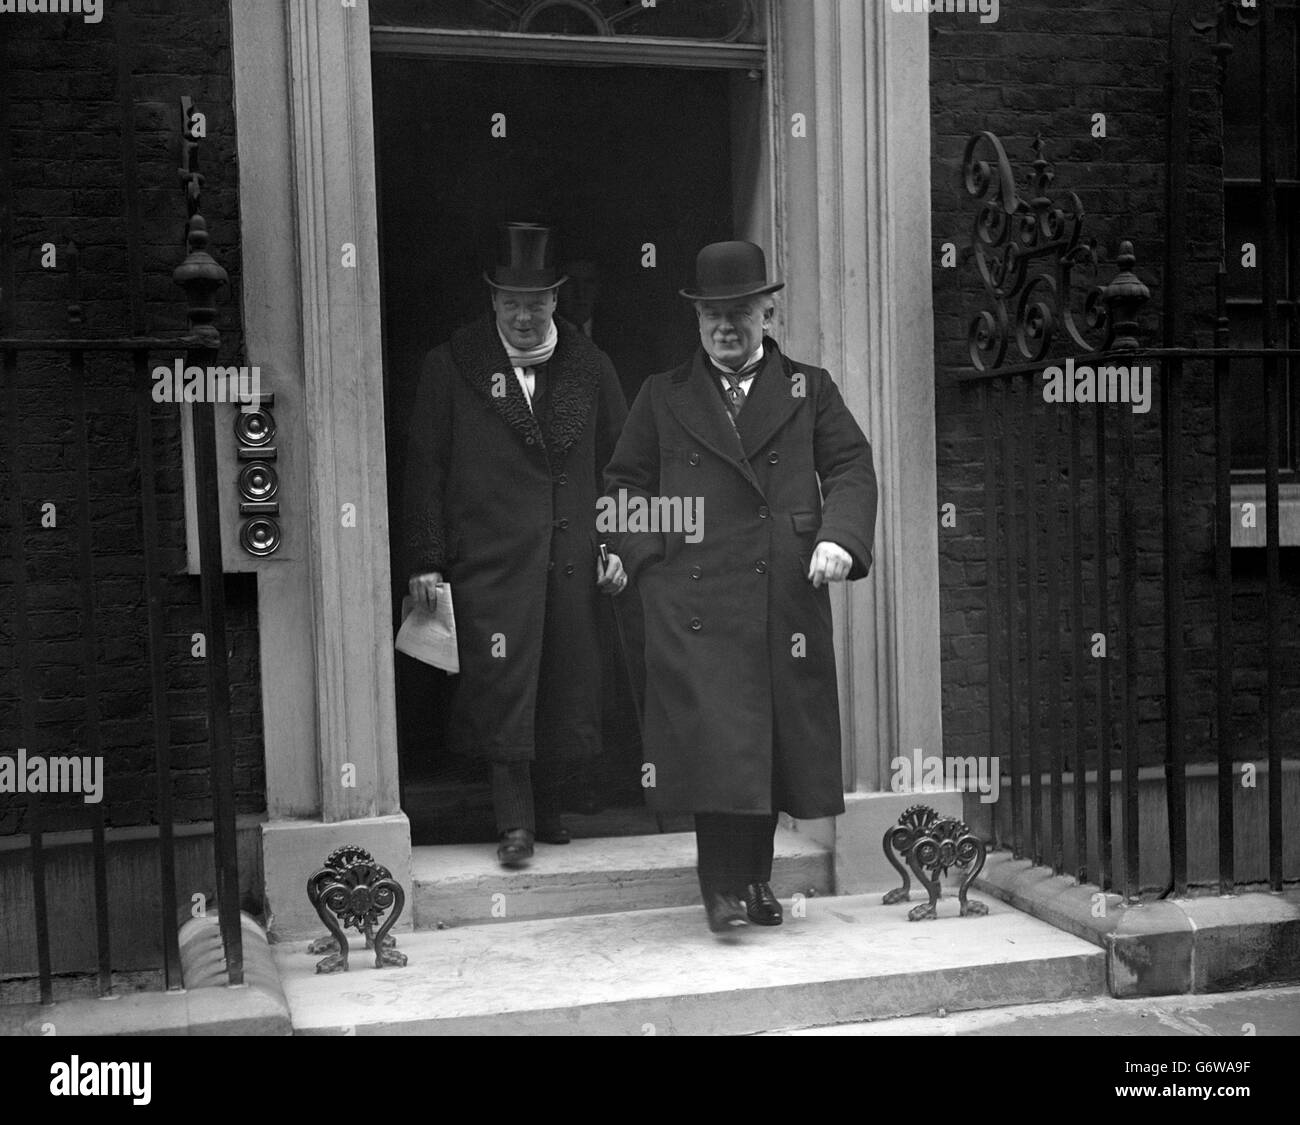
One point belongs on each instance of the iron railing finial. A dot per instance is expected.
(200, 275)
(1124, 297)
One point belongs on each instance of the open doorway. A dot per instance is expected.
(633, 167)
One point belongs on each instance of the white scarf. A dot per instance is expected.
(522, 358)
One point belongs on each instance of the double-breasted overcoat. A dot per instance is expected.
(741, 702)
(502, 503)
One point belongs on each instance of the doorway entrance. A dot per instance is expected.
(634, 168)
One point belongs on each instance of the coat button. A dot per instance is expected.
(550, 565)
(563, 478)
(696, 572)
(697, 624)
(694, 459)
(562, 524)
(773, 457)
(761, 566)
(763, 512)
(569, 569)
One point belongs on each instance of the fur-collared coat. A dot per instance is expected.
(741, 707)
(503, 504)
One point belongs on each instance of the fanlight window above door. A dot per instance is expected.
(725, 21)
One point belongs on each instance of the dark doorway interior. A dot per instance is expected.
(614, 157)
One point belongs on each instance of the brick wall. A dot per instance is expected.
(1047, 67)
(67, 178)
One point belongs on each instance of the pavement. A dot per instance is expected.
(1258, 1012)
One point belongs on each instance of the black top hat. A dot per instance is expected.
(526, 261)
(725, 271)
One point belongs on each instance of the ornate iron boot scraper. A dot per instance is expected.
(352, 890)
(932, 844)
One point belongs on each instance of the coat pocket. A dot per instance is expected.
(806, 523)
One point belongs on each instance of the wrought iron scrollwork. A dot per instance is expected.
(1026, 251)
(352, 890)
(930, 845)
(899, 838)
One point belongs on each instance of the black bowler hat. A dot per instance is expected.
(526, 261)
(725, 271)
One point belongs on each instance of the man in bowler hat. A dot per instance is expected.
(514, 420)
(741, 706)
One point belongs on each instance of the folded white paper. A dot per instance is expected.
(430, 637)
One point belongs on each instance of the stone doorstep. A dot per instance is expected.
(462, 884)
(1204, 944)
(650, 971)
(662, 972)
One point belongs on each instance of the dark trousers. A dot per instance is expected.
(735, 849)
(525, 794)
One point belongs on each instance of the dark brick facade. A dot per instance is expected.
(70, 176)
(1046, 67)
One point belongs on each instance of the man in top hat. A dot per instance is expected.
(514, 420)
(741, 708)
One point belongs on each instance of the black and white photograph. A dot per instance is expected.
(606, 518)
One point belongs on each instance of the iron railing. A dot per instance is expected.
(1023, 479)
(1036, 461)
(200, 276)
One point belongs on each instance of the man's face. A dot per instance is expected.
(731, 330)
(524, 318)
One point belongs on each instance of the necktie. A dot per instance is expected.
(735, 396)
(735, 393)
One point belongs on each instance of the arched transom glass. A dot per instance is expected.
(727, 21)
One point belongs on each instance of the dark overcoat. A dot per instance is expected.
(502, 504)
(741, 705)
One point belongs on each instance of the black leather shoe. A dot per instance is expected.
(725, 911)
(762, 905)
(516, 847)
(553, 833)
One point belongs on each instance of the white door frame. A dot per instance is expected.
(848, 227)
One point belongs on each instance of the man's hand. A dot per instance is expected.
(424, 589)
(830, 563)
(612, 579)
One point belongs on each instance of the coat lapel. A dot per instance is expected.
(772, 400)
(482, 362)
(695, 402)
(572, 378)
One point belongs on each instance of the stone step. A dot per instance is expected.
(661, 972)
(462, 884)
